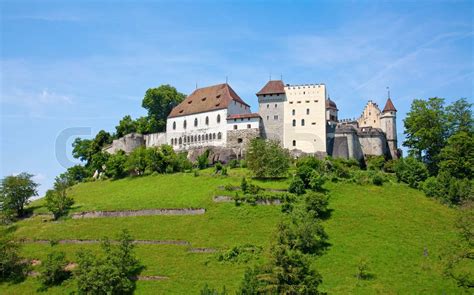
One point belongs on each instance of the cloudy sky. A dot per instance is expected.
(71, 68)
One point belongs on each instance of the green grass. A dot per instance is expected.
(389, 225)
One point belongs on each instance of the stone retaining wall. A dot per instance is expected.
(146, 212)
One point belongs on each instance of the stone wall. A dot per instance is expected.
(127, 143)
(373, 142)
(155, 139)
(238, 139)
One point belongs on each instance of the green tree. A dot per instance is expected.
(159, 102)
(137, 161)
(15, 193)
(297, 186)
(125, 126)
(81, 149)
(460, 117)
(113, 272)
(317, 204)
(116, 165)
(77, 173)
(411, 171)
(426, 130)
(53, 270)
(316, 181)
(457, 157)
(57, 201)
(267, 159)
(11, 266)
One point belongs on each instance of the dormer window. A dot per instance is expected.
(189, 102)
(181, 111)
(203, 99)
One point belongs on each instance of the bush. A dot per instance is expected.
(377, 179)
(375, 163)
(206, 290)
(203, 160)
(239, 254)
(411, 171)
(110, 273)
(304, 173)
(267, 159)
(53, 270)
(363, 270)
(432, 187)
(317, 204)
(389, 166)
(58, 203)
(11, 266)
(116, 165)
(218, 167)
(233, 163)
(297, 186)
(244, 185)
(316, 181)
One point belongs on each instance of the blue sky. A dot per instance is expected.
(81, 66)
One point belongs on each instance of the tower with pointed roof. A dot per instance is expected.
(388, 125)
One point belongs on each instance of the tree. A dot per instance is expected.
(81, 149)
(267, 158)
(411, 171)
(53, 270)
(460, 117)
(125, 126)
(457, 157)
(426, 130)
(100, 140)
(58, 203)
(316, 181)
(297, 186)
(317, 204)
(115, 166)
(137, 161)
(159, 102)
(11, 266)
(110, 273)
(77, 173)
(15, 192)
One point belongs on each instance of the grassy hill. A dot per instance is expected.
(398, 230)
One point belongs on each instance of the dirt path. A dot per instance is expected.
(140, 242)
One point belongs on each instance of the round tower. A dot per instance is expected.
(388, 124)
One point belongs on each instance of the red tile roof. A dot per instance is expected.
(242, 116)
(389, 106)
(330, 104)
(273, 87)
(206, 99)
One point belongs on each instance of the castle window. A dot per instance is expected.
(369, 114)
(199, 137)
(195, 122)
(374, 121)
(185, 124)
(268, 106)
(239, 140)
(241, 119)
(207, 136)
(307, 111)
(275, 105)
(304, 92)
(268, 117)
(192, 138)
(294, 123)
(207, 120)
(218, 118)
(248, 126)
(302, 122)
(275, 117)
(180, 141)
(213, 136)
(293, 112)
(195, 138)
(291, 102)
(298, 102)
(219, 135)
(235, 127)
(294, 142)
(174, 125)
(307, 101)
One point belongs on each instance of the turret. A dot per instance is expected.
(388, 124)
(271, 100)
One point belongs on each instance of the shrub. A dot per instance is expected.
(233, 163)
(297, 186)
(389, 166)
(196, 173)
(239, 254)
(375, 163)
(115, 166)
(304, 173)
(137, 161)
(316, 181)
(229, 187)
(203, 160)
(224, 171)
(432, 187)
(411, 171)
(53, 270)
(110, 273)
(377, 179)
(244, 185)
(58, 203)
(206, 290)
(317, 204)
(267, 158)
(363, 270)
(218, 167)
(11, 266)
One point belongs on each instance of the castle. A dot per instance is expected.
(301, 117)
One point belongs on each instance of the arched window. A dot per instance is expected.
(199, 137)
(294, 123)
(185, 124)
(293, 112)
(294, 142)
(195, 138)
(184, 139)
(174, 125)
(302, 122)
(218, 118)
(307, 111)
(207, 136)
(180, 141)
(219, 135)
(213, 136)
(207, 120)
(188, 140)
(196, 122)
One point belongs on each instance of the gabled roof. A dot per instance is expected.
(206, 99)
(273, 87)
(243, 116)
(389, 106)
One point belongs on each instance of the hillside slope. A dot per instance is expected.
(398, 230)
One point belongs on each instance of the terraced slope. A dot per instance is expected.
(392, 226)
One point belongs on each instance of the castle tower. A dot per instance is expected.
(388, 124)
(271, 100)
